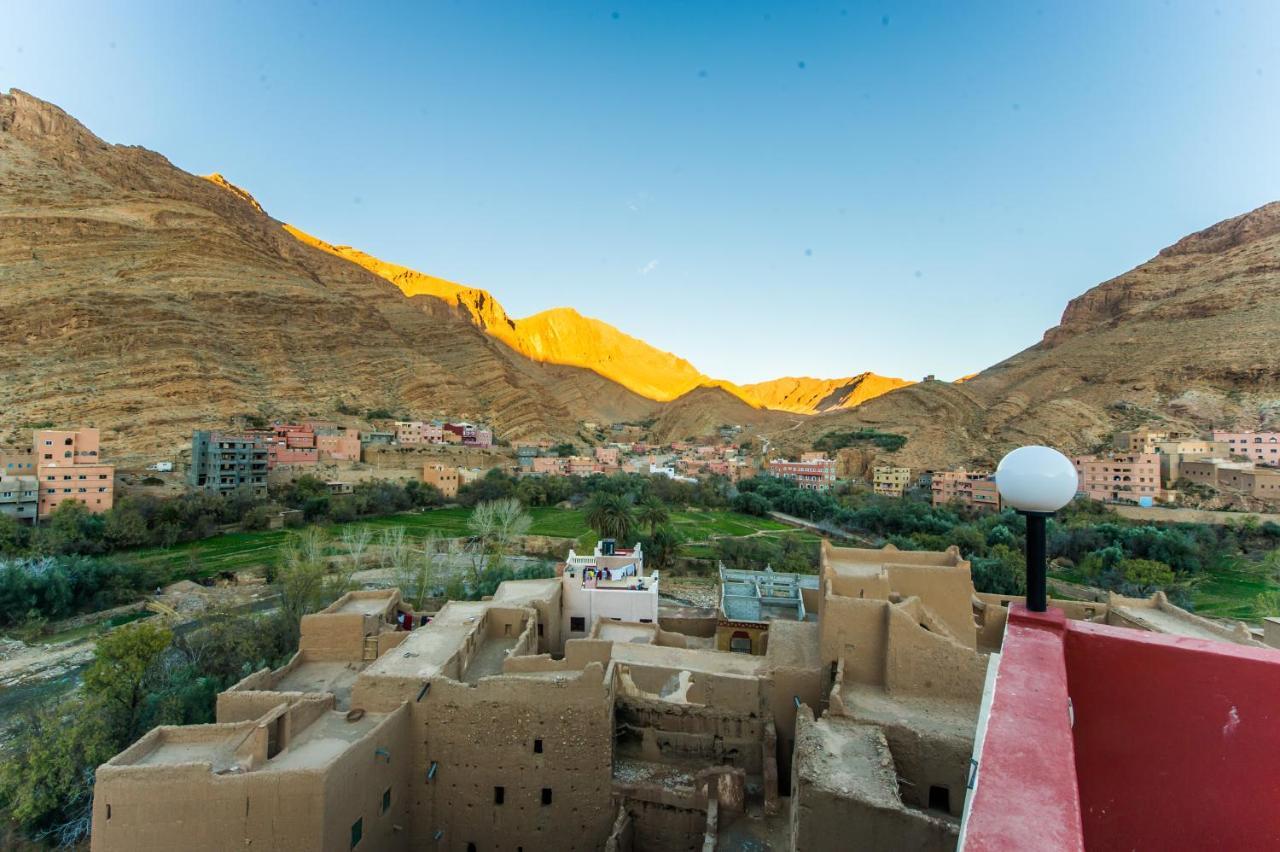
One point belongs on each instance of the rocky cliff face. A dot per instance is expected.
(804, 395)
(1188, 338)
(147, 301)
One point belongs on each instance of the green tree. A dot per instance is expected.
(1146, 575)
(120, 675)
(653, 513)
(610, 516)
(303, 578)
(660, 548)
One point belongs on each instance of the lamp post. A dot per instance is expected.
(1036, 482)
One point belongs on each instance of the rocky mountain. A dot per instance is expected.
(804, 395)
(148, 301)
(564, 336)
(1188, 338)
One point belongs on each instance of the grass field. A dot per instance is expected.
(252, 551)
(1231, 590)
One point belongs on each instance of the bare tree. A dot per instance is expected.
(496, 525)
(356, 541)
(304, 579)
(391, 547)
(417, 575)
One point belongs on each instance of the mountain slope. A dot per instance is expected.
(1187, 338)
(564, 336)
(147, 301)
(804, 395)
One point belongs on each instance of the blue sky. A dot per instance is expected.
(766, 189)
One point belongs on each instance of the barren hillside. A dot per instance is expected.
(1189, 337)
(147, 301)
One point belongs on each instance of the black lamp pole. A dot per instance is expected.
(1037, 570)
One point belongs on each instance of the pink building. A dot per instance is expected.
(583, 466)
(968, 488)
(1120, 478)
(414, 432)
(607, 456)
(1259, 447)
(550, 466)
(339, 445)
(816, 474)
(68, 467)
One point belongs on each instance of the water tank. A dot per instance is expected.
(1146, 502)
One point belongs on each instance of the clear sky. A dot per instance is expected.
(764, 188)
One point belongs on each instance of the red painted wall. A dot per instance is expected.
(1177, 741)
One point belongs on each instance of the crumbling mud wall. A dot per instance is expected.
(844, 794)
(515, 761)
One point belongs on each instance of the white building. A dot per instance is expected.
(610, 584)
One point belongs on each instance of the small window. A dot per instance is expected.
(577, 624)
(471, 847)
(537, 746)
(539, 628)
(546, 795)
(108, 811)
(499, 795)
(386, 800)
(357, 832)
(939, 798)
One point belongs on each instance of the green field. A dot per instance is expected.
(1231, 590)
(252, 551)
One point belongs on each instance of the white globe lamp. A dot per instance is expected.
(1036, 481)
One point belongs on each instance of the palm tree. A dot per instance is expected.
(653, 513)
(610, 515)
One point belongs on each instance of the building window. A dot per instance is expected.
(537, 746)
(577, 623)
(386, 800)
(357, 832)
(939, 798)
(546, 795)
(499, 795)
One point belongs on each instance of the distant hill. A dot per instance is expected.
(564, 336)
(148, 301)
(1188, 338)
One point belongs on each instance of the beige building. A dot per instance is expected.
(493, 726)
(1120, 478)
(444, 477)
(1144, 440)
(1173, 453)
(891, 481)
(1244, 478)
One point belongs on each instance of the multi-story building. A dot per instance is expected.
(976, 489)
(583, 466)
(20, 497)
(1258, 447)
(607, 456)
(1120, 478)
(549, 466)
(68, 467)
(610, 584)
(815, 474)
(1173, 453)
(525, 454)
(17, 461)
(470, 435)
(1139, 441)
(223, 462)
(443, 477)
(1241, 477)
(338, 444)
(891, 481)
(414, 432)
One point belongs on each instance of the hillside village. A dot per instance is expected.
(302, 549)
